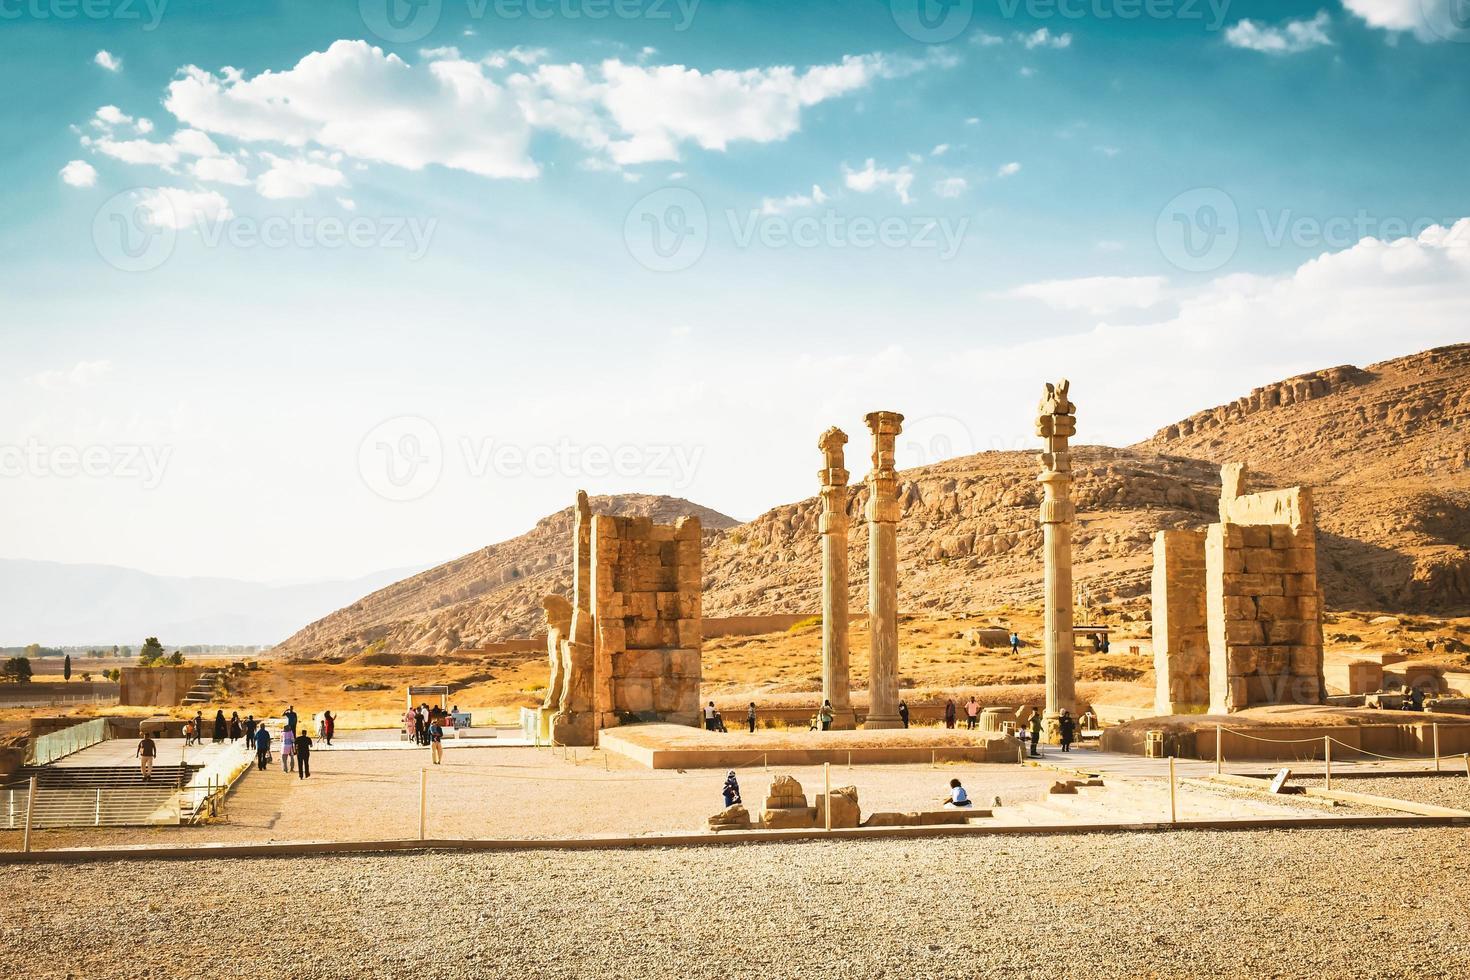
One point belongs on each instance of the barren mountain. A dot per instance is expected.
(488, 595)
(1384, 447)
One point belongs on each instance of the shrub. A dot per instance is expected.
(804, 624)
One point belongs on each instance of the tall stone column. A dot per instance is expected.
(1056, 422)
(832, 525)
(882, 512)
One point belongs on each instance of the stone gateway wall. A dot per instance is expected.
(1262, 608)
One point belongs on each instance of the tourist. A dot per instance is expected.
(1096, 643)
(903, 712)
(1417, 698)
(972, 713)
(1015, 642)
(147, 752)
(709, 717)
(956, 797)
(1065, 728)
(750, 717)
(731, 792)
(420, 728)
(302, 749)
(288, 748)
(235, 730)
(199, 728)
(250, 731)
(221, 727)
(410, 717)
(1106, 645)
(262, 746)
(1035, 732)
(329, 726)
(291, 718)
(949, 711)
(720, 723)
(826, 715)
(188, 733)
(436, 741)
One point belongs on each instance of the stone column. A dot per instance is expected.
(832, 525)
(882, 512)
(573, 723)
(1056, 422)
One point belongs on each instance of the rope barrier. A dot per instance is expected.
(1390, 758)
(1280, 741)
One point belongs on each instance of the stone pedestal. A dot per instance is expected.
(883, 514)
(832, 525)
(1056, 423)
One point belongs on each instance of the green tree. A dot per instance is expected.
(151, 653)
(177, 660)
(17, 670)
(66, 668)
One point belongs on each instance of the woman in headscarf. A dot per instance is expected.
(235, 730)
(220, 726)
(732, 789)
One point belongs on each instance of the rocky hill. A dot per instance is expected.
(488, 595)
(1384, 447)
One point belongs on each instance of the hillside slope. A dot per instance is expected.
(488, 595)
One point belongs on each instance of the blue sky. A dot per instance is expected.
(1171, 209)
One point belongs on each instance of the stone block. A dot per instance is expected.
(1277, 607)
(1265, 560)
(689, 633)
(633, 694)
(684, 663)
(1241, 660)
(1306, 661)
(1235, 560)
(845, 810)
(1256, 535)
(1273, 660)
(1243, 631)
(797, 819)
(731, 818)
(1299, 584)
(1254, 585)
(1286, 632)
(1300, 560)
(1240, 607)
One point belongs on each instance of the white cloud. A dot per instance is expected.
(470, 116)
(220, 170)
(1428, 20)
(347, 204)
(178, 208)
(793, 202)
(951, 187)
(289, 178)
(1009, 169)
(984, 40)
(144, 126)
(110, 115)
(1028, 72)
(447, 53)
(939, 150)
(872, 177)
(972, 121)
(1044, 38)
(1291, 37)
(84, 374)
(79, 173)
(1097, 295)
(184, 143)
(1108, 151)
(105, 59)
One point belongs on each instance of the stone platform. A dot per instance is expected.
(680, 747)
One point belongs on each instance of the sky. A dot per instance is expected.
(292, 291)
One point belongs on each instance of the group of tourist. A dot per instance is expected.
(951, 712)
(425, 726)
(295, 740)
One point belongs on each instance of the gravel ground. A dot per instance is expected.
(1311, 903)
(1447, 789)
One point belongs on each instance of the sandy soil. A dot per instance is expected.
(1309, 904)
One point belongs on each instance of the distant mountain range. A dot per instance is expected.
(55, 605)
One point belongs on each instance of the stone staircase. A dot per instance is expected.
(203, 690)
(1132, 801)
(97, 796)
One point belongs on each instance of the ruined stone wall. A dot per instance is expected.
(1181, 639)
(646, 603)
(1262, 602)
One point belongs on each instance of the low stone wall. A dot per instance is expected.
(1279, 743)
(738, 756)
(163, 686)
(751, 625)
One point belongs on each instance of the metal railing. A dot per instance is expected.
(48, 748)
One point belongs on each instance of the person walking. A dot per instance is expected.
(262, 746)
(235, 730)
(199, 728)
(731, 790)
(436, 741)
(221, 727)
(291, 718)
(956, 797)
(949, 712)
(303, 755)
(709, 717)
(903, 712)
(329, 726)
(288, 748)
(1015, 643)
(750, 717)
(1035, 733)
(972, 713)
(1066, 727)
(826, 715)
(250, 730)
(147, 752)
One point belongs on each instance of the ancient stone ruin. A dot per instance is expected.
(627, 647)
(832, 525)
(883, 511)
(1056, 423)
(1237, 615)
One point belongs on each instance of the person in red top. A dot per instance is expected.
(329, 725)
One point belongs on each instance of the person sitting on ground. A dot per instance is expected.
(956, 797)
(731, 791)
